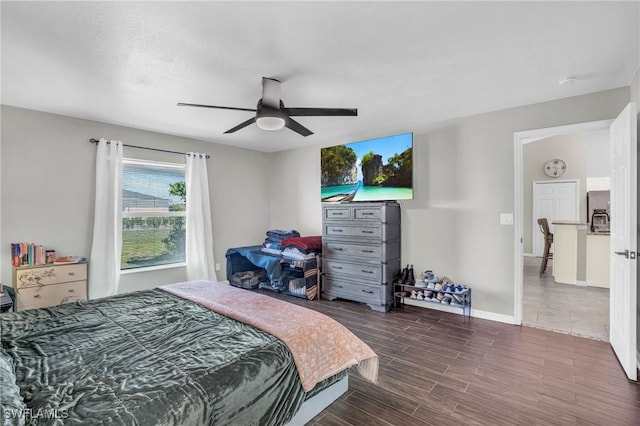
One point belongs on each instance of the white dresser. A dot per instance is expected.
(49, 285)
(361, 252)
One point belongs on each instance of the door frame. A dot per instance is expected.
(519, 140)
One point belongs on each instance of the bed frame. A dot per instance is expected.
(314, 405)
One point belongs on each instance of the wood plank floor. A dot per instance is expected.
(437, 370)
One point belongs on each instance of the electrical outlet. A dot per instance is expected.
(217, 266)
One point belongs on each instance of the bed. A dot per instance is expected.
(175, 355)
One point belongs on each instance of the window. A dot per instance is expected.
(153, 214)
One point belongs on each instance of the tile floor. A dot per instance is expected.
(576, 310)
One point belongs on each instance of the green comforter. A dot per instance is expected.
(145, 358)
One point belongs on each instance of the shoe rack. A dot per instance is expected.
(429, 292)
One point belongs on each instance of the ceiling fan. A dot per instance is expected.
(271, 114)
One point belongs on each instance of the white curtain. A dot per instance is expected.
(107, 224)
(199, 244)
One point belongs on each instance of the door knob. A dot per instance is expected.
(623, 253)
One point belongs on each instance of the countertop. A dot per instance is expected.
(578, 223)
(568, 222)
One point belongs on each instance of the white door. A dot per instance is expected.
(622, 296)
(555, 200)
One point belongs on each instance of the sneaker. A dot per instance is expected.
(431, 286)
(420, 284)
(457, 299)
(428, 294)
(440, 297)
(438, 287)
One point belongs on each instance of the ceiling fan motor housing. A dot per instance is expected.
(269, 118)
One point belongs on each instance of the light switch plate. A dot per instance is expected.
(506, 218)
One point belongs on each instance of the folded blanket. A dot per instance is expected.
(294, 253)
(320, 345)
(312, 243)
(281, 234)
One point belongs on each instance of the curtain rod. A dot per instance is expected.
(92, 140)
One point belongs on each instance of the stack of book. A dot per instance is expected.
(30, 254)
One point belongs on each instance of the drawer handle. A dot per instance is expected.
(367, 251)
(338, 249)
(336, 267)
(36, 295)
(72, 273)
(71, 290)
(367, 214)
(367, 232)
(367, 272)
(367, 291)
(338, 286)
(337, 230)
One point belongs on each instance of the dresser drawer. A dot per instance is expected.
(358, 270)
(337, 213)
(333, 248)
(336, 230)
(353, 291)
(51, 295)
(46, 275)
(372, 213)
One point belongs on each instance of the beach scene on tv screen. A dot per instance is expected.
(371, 170)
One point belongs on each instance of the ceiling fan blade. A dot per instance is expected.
(321, 112)
(216, 107)
(271, 92)
(242, 125)
(297, 127)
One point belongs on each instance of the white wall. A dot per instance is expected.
(48, 180)
(597, 145)
(464, 179)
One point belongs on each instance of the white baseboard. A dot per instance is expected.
(492, 316)
(581, 283)
(528, 255)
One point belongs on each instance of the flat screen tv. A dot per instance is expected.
(378, 169)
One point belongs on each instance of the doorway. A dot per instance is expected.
(553, 300)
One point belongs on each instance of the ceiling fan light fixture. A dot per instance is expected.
(269, 122)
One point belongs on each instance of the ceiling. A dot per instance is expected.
(404, 65)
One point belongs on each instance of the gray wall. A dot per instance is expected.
(48, 180)
(464, 179)
(570, 148)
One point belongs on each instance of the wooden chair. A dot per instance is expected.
(548, 240)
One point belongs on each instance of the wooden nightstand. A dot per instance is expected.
(49, 285)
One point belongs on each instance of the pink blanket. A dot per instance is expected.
(321, 346)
